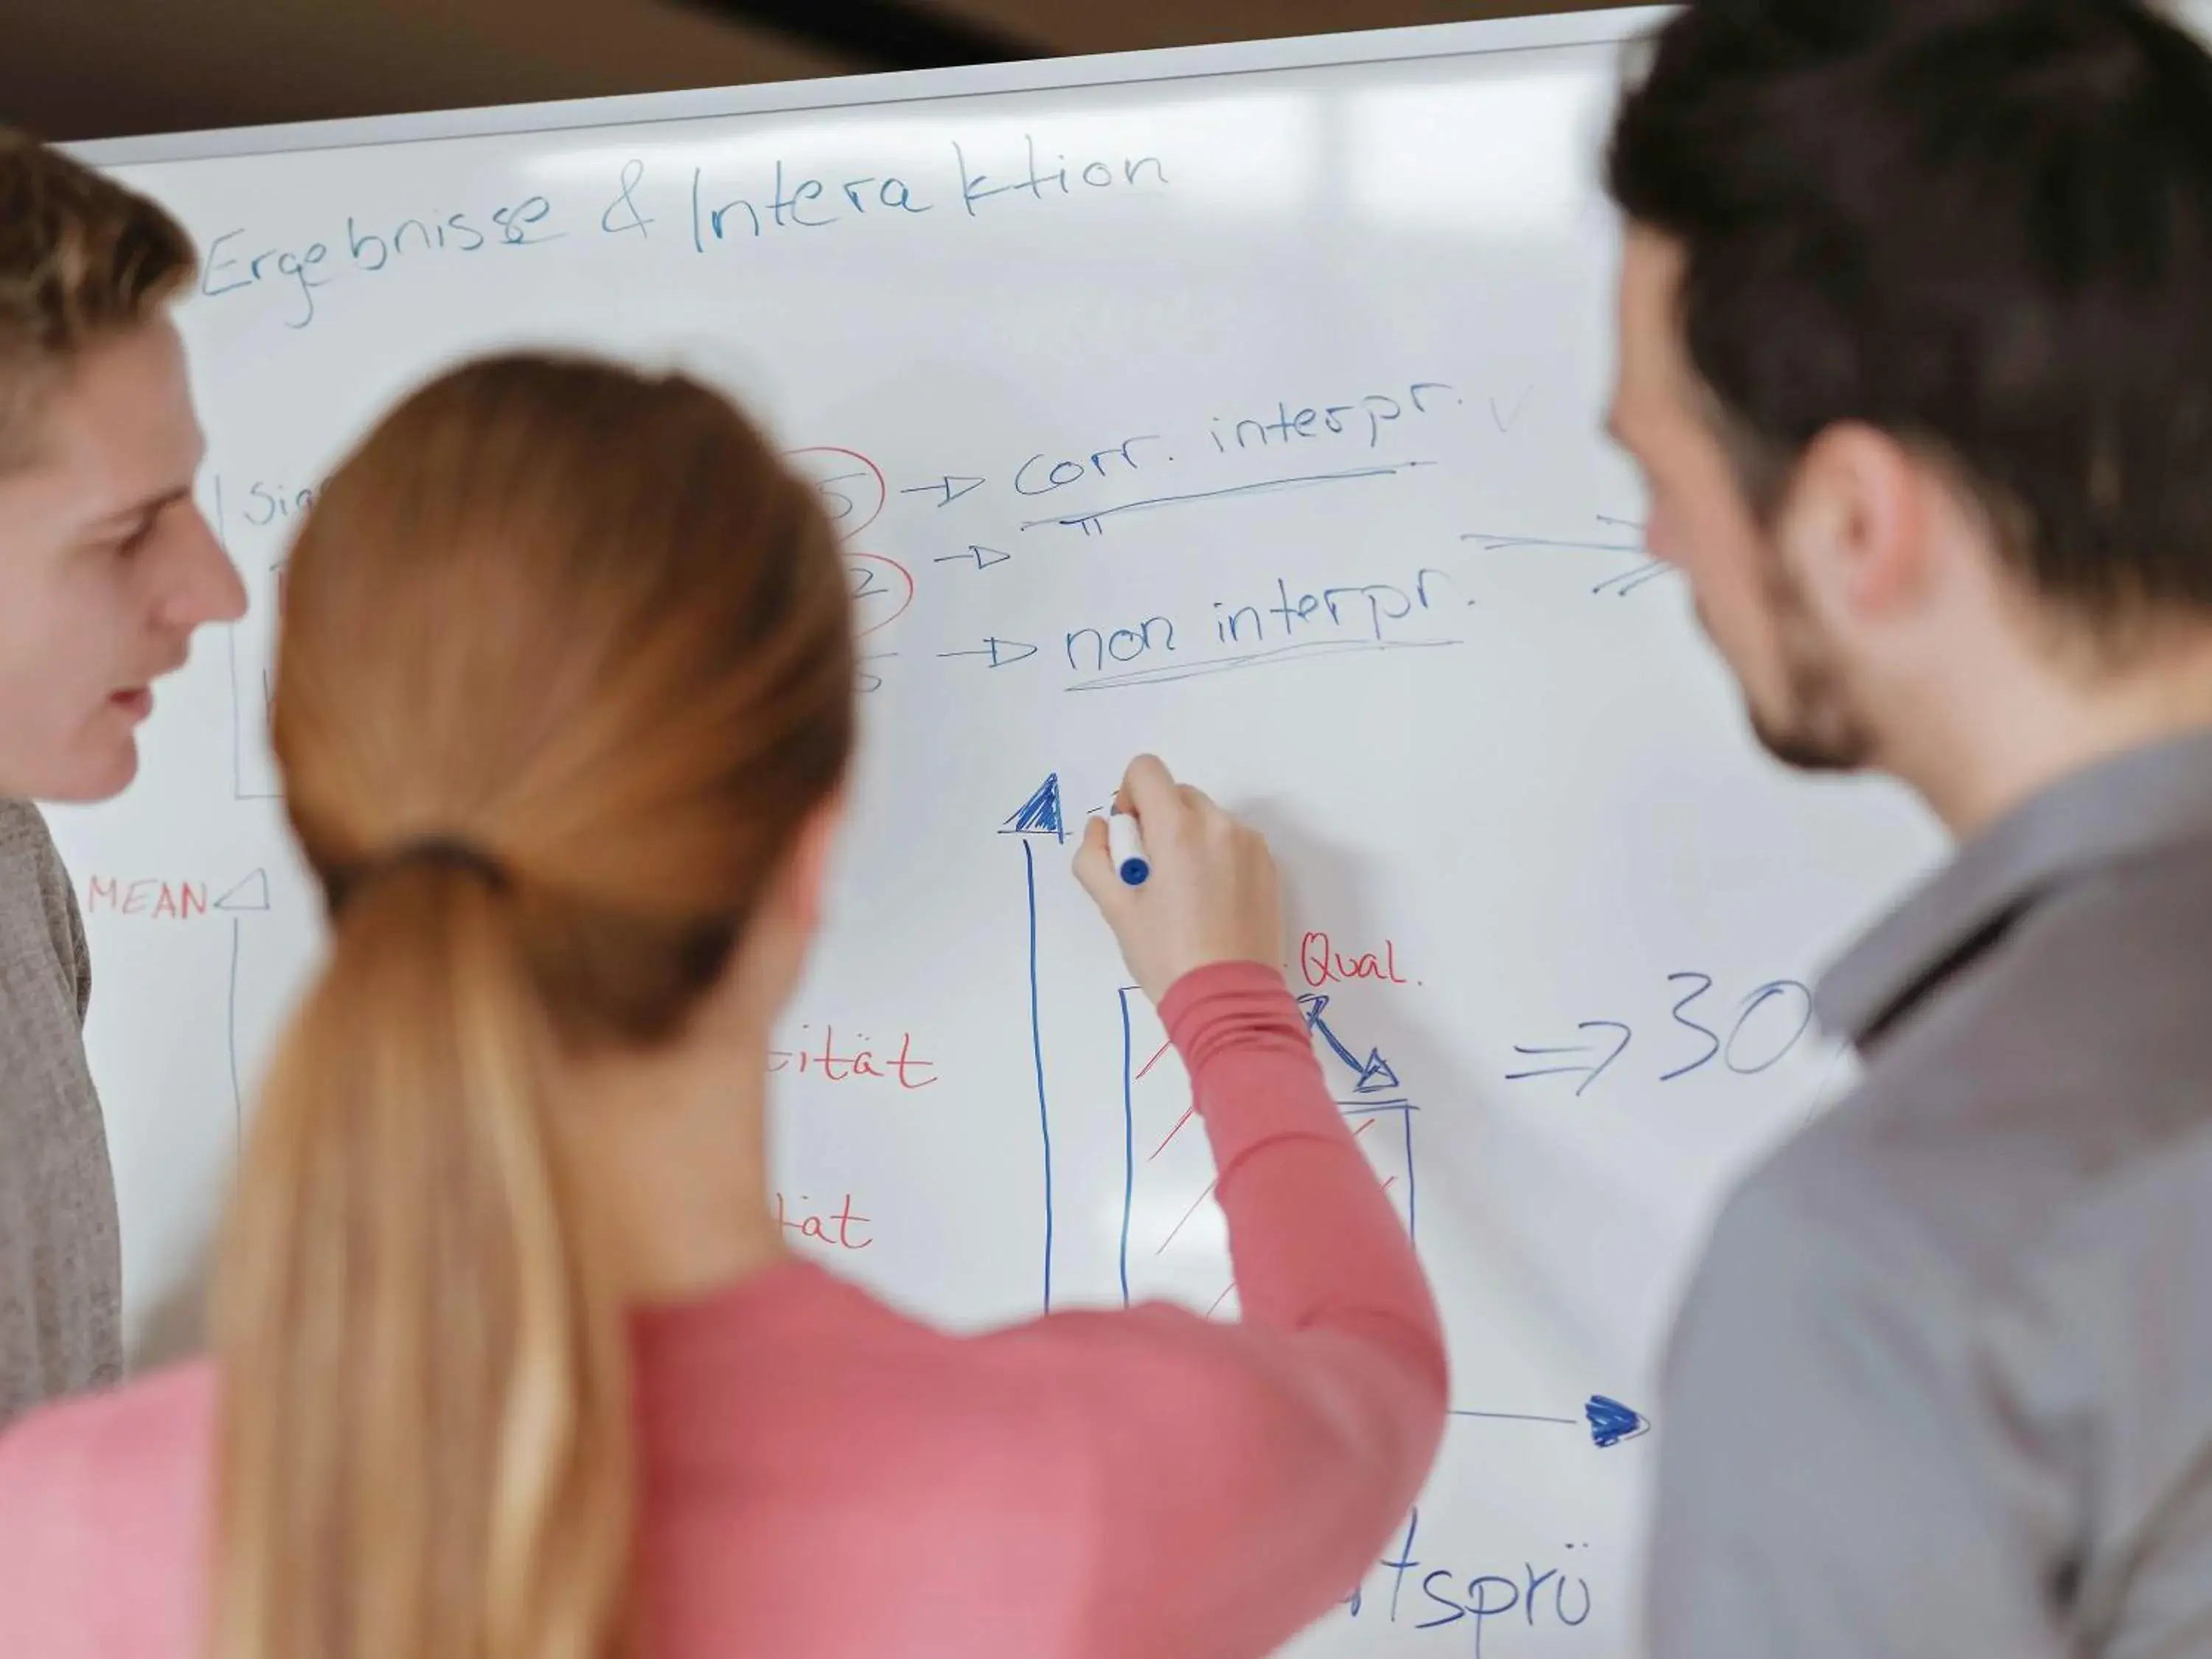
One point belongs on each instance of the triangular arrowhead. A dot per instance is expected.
(1040, 815)
(988, 556)
(1611, 1422)
(251, 894)
(1374, 1072)
(1375, 1075)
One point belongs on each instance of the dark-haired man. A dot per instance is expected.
(1916, 361)
(107, 568)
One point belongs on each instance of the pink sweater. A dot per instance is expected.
(826, 1477)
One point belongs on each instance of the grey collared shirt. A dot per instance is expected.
(1943, 1382)
(61, 1269)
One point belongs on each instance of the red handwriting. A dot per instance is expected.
(852, 486)
(834, 1229)
(1322, 963)
(882, 589)
(173, 900)
(820, 1058)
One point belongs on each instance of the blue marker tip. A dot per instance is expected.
(1126, 848)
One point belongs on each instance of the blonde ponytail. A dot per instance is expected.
(584, 625)
(425, 1443)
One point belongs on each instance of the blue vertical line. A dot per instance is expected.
(1412, 1192)
(230, 636)
(237, 733)
(1036, 1048)
(1129, 1142)
(237, 1095)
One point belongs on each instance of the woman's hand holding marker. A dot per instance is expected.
(1209, 892)
(1125, 845)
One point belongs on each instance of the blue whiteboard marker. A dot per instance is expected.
(1126, 848)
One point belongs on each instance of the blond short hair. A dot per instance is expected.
(82, 259)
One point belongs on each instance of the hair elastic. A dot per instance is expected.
(451, 851)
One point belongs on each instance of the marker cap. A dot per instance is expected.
(1126, 848)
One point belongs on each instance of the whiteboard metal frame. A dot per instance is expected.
(1483, 38)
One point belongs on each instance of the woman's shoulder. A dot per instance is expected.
(115, 1477)
(74, 1439)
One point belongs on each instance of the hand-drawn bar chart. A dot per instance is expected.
(1174, 1241)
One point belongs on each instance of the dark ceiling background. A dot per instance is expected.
(95, 68)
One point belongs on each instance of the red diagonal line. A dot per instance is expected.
(1172, 1133)
(1366, 1125)
(1154, 1060)
(1218, 1300)
(1186, 1215)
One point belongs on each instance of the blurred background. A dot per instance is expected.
(98, 69)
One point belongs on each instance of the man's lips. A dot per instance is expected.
(137, 701)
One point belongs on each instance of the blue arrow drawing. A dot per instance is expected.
(984, 557)
(949, 488)
(1374, 1072)
(1551, 1057)
(1001, 652)
(1610, 1422)
(1040, 815)
(250, 894)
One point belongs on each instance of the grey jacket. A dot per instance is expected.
(61, 1269)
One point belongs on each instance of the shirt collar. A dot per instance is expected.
(2121, 807)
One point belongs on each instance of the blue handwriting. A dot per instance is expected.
(1332, 617)
(1767, 1025)
(1439, 1597)
(1093, 175)
(368, 248)
(1367, 415)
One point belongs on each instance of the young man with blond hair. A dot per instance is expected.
(107, 570)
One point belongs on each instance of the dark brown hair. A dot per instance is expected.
(566, 661)
(1984, 226)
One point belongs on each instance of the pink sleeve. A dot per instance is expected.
(1251, 1473)
(41, 1528)
(1313, 1241)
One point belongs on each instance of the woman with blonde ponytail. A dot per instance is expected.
(511, 1360)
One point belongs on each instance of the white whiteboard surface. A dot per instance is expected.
(1267, 435)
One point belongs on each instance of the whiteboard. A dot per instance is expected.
(1243, 404)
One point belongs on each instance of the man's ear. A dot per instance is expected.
(1855, 524)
